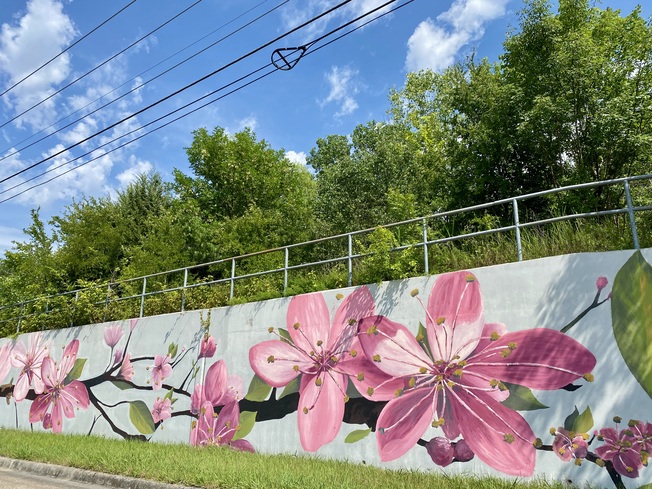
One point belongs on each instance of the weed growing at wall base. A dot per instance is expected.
(219, 467)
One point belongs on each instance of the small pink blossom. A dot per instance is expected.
(642, 434)
(569, 445)
(213, 429)
(619, 449)
(162, 409)
(117, 356)
(160, 370)
(601, 283)
(112, 335)
(207, 347)
(60, 397)
(441, 451)
(463, 452)
(5, 361)
(126, 371)
(132, 324)
(29, 362)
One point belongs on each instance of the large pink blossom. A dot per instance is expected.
(456, 379)
(62, 398)
(325, 356)
(161, 370)
(5, 361)
(29, 362)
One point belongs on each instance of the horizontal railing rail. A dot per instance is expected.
(73, 296)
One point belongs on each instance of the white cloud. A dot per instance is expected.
(294, 157)
(136, 167)
(7, 236)
(435, 45)
(251, 122)
(293, 16)
(343, 87)
(41, 33)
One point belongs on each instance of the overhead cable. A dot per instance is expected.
(298, 56)
(138, 87)
(68, 48)
(100, 65)
(177, 92)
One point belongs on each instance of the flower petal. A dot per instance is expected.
(321, 409)
(49, 372)
(371, 382)
(274, 362)
(216, 383)
(359, 304)
(537, 358)
(499, 436)
(403, 421)
(77, 394)
(308, 321)
(392, 347)
(455, 317)
(68, 359)
(227, 423)
(38, 408)
(243, 446)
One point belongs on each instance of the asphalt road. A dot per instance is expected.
(18, 479)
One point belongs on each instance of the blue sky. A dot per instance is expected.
(327, 92)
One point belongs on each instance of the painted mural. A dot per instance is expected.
(452, 383)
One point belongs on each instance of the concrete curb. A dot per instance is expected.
(89, 476)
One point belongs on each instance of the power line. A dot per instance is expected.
(138, 87)
(299, 55)
(68, 48)
(167, 97)
(302, 53)
(101, 64)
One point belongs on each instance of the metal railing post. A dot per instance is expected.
(106, 302)
(142, 297)
(425, 247)
(232, 277)
(350, 260)
(74, 307)
(183, 291)
(630, 211)
(285, 270)
(20, 318)
(519, 249)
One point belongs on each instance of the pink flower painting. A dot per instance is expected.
(454, 379)
(162, 409)
(325, 355)
(207, 346)
(126, 371)
(160, 371)
(59, 398)
(5, 361)
(620, 450)
(29, 362)
(112, 335)
(569, 446)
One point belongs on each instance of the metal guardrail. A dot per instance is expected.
(425, 242)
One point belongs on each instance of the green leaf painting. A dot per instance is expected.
(291, 388)
(247, 421)
(141, 417)
(356, 435)
(76, 370)
(631, 315)
(258, 389)
(521, 399)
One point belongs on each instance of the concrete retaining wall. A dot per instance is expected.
(356, 355)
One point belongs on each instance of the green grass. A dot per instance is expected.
(225, 468)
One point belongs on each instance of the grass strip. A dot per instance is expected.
(224, 468)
